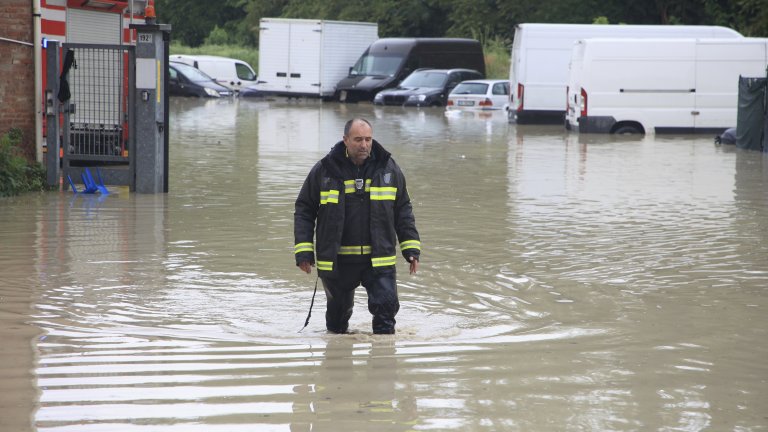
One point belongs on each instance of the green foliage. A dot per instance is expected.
(17, 175)
(193, 20)
(218, 36)
(247, 54)
(497, 55)
(236, 22)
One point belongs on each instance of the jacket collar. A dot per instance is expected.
(337, 156)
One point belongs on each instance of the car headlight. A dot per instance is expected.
(211, 92)
(378, 98)
(417, 98)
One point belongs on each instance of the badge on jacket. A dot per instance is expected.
(387, 178)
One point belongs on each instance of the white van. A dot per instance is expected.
(538, 69)
(226, 71)
(660, 85)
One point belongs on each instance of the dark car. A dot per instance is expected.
(185, 80)
(425, 87)
(390, 60)
(251, 91)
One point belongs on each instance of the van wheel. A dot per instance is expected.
(436, 104)
(627, 130)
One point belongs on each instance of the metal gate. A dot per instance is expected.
(98, 117)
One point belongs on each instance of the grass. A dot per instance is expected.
(496, 59)
(496, 55)
(248, 55)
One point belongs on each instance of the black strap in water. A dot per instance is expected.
(306, 323)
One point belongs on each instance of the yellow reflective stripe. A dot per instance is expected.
(329, 196)
(349, 186)
(355, 250)
(384, 261)
(383, 193)
(303, 247)
(410, 244)
(325, 265)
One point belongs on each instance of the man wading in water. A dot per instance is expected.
(358, 197)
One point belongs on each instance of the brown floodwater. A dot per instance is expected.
(567, 283)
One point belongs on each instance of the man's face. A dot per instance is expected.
(358, 142)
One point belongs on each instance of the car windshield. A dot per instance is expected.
(376, 65)
(425, 79)
(192, 73)
(470, 88)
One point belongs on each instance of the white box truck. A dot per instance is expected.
(538, 69)
(300, 57)
(659, 85)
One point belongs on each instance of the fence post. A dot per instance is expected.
(52, 114)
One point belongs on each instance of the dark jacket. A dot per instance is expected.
(322, 199)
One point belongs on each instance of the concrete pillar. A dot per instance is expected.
(149, 153)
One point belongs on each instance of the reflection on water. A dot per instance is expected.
(568, 283)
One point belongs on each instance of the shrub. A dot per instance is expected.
(496, 58)
(17, 175)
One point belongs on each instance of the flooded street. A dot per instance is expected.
(566, 284)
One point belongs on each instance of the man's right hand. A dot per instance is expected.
(306, 267)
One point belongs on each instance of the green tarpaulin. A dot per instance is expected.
(751, 120)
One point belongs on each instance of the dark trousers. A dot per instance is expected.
(340, 294)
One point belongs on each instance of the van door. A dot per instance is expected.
(718, 66)
(273, 56)
(304, 58)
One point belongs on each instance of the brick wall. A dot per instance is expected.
(17, 70)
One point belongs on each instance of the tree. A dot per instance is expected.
(193, 20)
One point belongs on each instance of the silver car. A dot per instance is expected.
(479, 95)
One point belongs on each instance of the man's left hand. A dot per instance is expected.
(414, 264)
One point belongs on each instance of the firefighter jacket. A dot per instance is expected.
(321, 202)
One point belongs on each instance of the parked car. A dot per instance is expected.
(231, 73)
(252, 90)
(425, 87)
(185, 80)
(479, 94)
(388, 61)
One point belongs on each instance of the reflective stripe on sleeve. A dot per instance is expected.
(303, 247)
(410, 244)
(325, 265)
(383, 261)
(383, 193)
(329, 196)
(355, 250)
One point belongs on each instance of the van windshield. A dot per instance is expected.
(425, 79)
(376, 65)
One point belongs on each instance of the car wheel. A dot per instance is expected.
(435, 104)
(627, 130)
